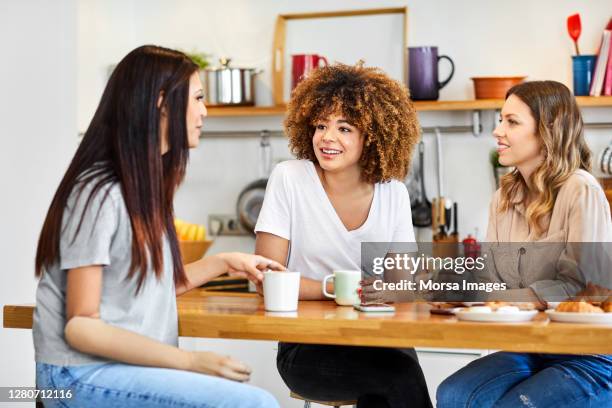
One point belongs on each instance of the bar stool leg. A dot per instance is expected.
(306, 404)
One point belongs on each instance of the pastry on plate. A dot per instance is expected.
(594, 294)
(511, 305)
(479, 309)
(496, 305)
(578, 307)
(525, 305)
(508, 309)
(606, 305)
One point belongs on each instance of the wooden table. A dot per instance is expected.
(242, 316)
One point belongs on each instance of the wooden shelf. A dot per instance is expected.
(475, 104)
(222, 111)
(596, 101)
(421, 106)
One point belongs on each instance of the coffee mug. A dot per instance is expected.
(303, 64)
(281, 291)
(582, 70)
(423, 73)
(346, 284)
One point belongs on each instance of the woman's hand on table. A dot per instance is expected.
(249, 266)
(207, 362)
(368, 294)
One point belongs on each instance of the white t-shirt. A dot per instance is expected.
(297, 208)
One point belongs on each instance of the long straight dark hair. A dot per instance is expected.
(122, 144)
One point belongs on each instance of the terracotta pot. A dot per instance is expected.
(494, 87)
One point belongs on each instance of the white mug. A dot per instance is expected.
(281, 291)
(346, 284)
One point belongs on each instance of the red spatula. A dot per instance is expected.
(574, 27)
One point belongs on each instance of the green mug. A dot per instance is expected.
(346, 284)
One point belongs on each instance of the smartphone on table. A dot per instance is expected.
(375, 308)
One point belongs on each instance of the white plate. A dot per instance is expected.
(507, 317)
(572, 317)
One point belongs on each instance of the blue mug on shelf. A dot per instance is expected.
(582, 69)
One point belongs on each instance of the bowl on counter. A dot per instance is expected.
(192, 251)
(494, 87)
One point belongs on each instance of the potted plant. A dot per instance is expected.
(200, 58)
(499, 170)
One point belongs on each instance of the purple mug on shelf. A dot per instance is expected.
(423, 73)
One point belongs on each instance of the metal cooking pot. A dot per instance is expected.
(225, 85)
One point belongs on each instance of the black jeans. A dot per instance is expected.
(374, 376)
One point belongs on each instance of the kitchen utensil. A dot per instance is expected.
(494, 87)
(448, 214)
(438, 218)
(413, 183)
(439, 208)
(605, 161)
(227, 85)
(423, 73)
(251, 197)
(303, 64)
(455, 233)
(574, 28)
(421, 213)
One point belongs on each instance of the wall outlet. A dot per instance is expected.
(225, 224)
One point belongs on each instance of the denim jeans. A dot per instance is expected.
(504, 380)
(376, 377)
(122, 385)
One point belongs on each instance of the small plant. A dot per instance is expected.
(499, 170)
(494, 159)
(200, 58)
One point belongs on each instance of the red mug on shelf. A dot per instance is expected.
(302, 64)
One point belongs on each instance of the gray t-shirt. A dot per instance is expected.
(105, 238)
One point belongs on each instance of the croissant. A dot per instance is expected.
(578, 307)
(607, 305)
(521, 305)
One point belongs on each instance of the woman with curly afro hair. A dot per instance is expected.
(353, 130)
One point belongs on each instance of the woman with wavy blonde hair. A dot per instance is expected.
(548, 202)
(562, 150)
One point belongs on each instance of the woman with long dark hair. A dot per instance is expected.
(105, 324)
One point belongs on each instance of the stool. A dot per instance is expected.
(336, 404)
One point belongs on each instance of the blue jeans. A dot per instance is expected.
(504, 380)
(122, 385)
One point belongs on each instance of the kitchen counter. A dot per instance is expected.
(241, 316)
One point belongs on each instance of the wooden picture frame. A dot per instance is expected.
(280, 33)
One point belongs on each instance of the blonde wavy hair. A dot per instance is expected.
(560, 128)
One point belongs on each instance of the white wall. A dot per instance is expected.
(38, 128)
(483, 38)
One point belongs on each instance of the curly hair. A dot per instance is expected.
(560, 128)
(377, 105)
